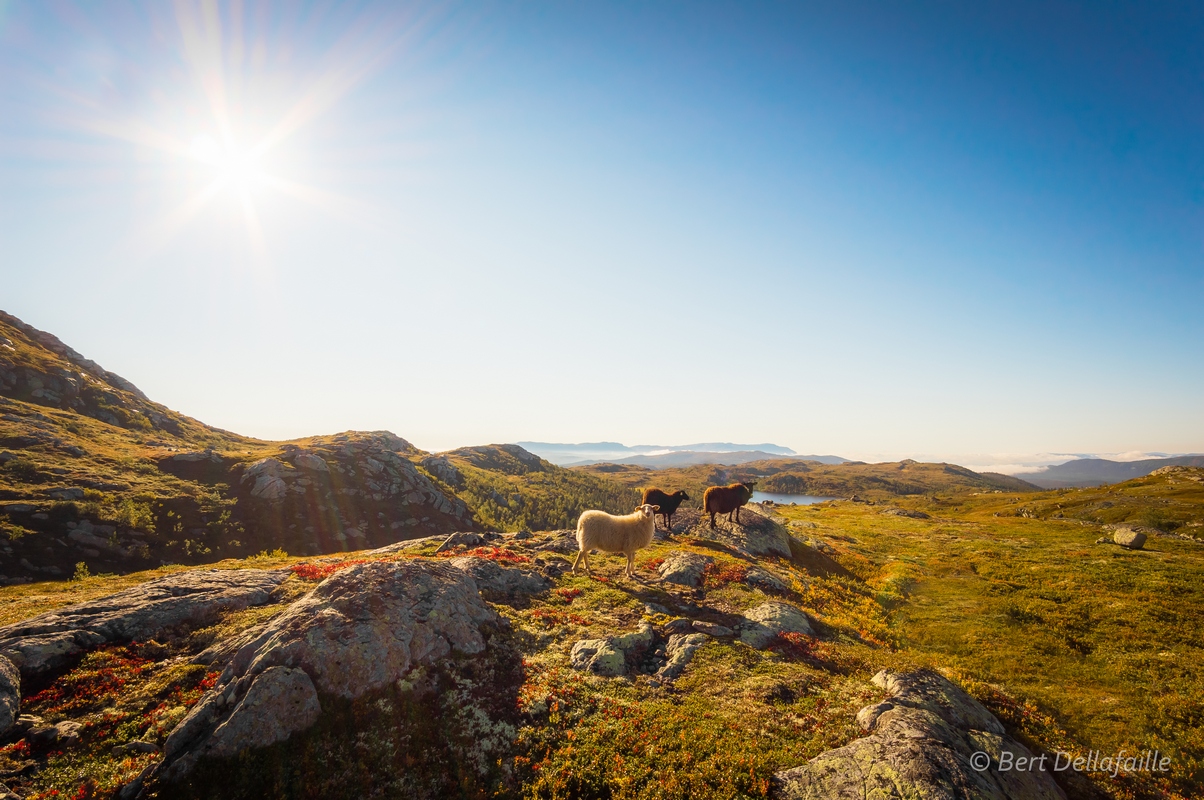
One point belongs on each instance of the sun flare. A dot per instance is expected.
(239, 168)
(226, 131)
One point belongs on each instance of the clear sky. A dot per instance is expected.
(892, 228)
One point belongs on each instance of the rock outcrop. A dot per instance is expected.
(928, 739)
(754, 535)
(56, 638)
(906, 512)
(766, 581)
(684, 568)
(358, 631)
(279, 702)
(763, 624)
(679, 652)
(10, 694)
(499, 582)
(614, 656)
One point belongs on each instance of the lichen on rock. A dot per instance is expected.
(920, 745)
(764, 623)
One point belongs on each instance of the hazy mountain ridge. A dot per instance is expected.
(1100, 471)
(685, 458)
(569, 455)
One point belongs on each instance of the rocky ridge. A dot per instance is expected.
(927, 739)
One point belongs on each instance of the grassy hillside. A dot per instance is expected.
(510, 489)
(1075, 645)
(868, 481)
(93, 473)
(1167, 500)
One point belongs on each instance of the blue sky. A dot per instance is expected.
(893, 229)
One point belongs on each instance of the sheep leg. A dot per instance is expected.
(581, 558)
(631, 565)
(737, 514)
(712, 519)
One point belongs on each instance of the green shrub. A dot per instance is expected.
(25, 471)
(136, 514)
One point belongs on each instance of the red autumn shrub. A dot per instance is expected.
(715, 575)
(322, 571)
(801, 647)
(492, 553)
(100, 676)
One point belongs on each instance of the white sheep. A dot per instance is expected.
(597, 530)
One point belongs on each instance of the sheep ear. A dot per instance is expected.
(655, 509)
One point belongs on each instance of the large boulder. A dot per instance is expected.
(279, 702)
(754, 535)
(267, 475)
(611, 657)
(762, 625)
(1129, 538)
(10, 694)
(358, 631)
(926, 741)
(311, 462)
(684, 568)
(598, 656)
(563, 541)
(52, 640)
(368, 625)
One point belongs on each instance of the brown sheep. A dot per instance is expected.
(726, 499)
(668, 503)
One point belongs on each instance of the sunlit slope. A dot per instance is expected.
(94, 473)
(1075, 645)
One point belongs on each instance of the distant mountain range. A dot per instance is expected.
(658, 456)
(1099, 471)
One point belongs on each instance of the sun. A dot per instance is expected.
(237, 168)
(227, 120)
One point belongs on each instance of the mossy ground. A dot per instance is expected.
(1076, 646)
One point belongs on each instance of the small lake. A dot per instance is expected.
(787, 499)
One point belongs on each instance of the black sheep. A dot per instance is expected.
(668, 503)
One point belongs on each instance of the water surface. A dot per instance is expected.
(787, 499)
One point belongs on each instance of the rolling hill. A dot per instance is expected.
(1100, 471)
(788, 476)
(93, 472)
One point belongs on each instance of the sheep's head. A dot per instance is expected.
(748, 487)
(680, 494)
(649, 511)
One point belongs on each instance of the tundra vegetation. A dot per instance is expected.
(1075, 645)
